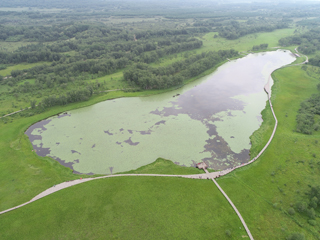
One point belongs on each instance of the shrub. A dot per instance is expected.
(228, 233)
(291, 211)
(301, 206)
(312, 222)
(311, 213)
(296, 236)
(314, 202)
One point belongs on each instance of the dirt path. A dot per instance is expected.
(67, 184)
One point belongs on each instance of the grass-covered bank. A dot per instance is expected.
(164, 166)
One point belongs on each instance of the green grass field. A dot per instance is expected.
(128, 208)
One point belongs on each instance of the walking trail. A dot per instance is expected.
(206, 175)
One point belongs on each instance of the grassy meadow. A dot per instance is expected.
(128, 208)
(167, 208)
(244, 43)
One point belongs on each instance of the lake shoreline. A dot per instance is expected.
(208, 83)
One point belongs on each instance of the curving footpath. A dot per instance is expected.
(67, 184)
(206, 175)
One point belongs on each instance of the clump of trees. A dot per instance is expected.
(296, 236)
(306, 115)
(308, 42)
(260, 47)
(310, 205)
(315, 61)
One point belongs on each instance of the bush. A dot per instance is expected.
(312, 222)
(228, 233)
(301, 206)
(311, 213)
(296, 236)
(291, 211)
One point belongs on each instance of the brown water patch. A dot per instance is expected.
(129, 141)
(144, 132)
(160, 122)
(64, 115)
(74, 151)
(212, 130)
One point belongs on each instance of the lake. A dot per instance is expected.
(209, 120)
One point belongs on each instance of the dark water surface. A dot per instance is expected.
(211, 120)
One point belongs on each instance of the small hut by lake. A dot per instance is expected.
(202, 165)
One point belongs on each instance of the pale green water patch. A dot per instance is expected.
(238, 125)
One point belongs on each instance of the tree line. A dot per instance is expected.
(260, 47)
(148, 77)
(308, 42)
(236, 29)
(40, 33)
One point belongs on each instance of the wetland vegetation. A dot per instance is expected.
(57, 56)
